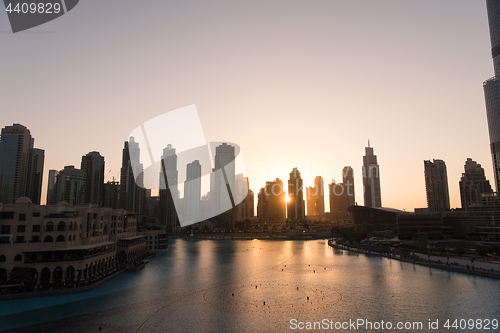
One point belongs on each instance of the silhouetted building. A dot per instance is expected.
(21, 166)
(35, 175)
(70, 186)
(492, 88)
(436, 186)
(93, 166)
(271, 205)
(224, 178)
(51, 191)
(316, 198)
(371, 179)
(192, 191)
(131, 179)
(168, 214)
(342, 195)
(473, 184)
(112, 194)
(245, 209)
(295, 204)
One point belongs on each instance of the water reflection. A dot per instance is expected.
(259, 285)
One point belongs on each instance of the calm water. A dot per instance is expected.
(221, 286)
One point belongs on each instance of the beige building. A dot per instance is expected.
(64, 242)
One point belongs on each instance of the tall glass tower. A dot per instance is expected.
(492, 88)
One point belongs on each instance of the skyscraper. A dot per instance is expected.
(342, 194)
(131, 191)
(35, 175)
(167, 192)
(271, 206)
(21, 166)
(244, 209)
(371, 179)
(436, 186)
(70, 185)
(472, 184)
(224, 161)
(51, 187)
(224, 185)
(93, 167)
(295, 204)
(492, 88)
(192, 190)
(315, 197)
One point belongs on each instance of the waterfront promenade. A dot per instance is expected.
(461, 265)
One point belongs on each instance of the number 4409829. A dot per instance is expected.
(41, 8)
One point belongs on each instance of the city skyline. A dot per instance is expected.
(410, 75)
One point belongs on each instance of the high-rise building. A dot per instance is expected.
(473, 184)
(271, 206)
(70, 186)
(224, 184)
(21, 166)
(224, 161)
(315, 198)
(93, 166)
(112, 194)
(192, 191)
(35, 175)
(51, 187)
(436, 186)
(492, 88)
(295, 204)
(371, 179)
(167, 192)
(131, 178)
(244, 209)
(342, 195)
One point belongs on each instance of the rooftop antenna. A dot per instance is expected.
(368, 143)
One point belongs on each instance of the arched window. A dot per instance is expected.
(60, 238)
(48, 239)
(74, 237)
(18, 257)
(49, 226)
(2, 258)
(61, 226)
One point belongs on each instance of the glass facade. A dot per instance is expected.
(492, 87)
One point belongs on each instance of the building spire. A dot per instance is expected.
(368, 143)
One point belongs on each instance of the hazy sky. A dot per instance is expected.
(294, 83)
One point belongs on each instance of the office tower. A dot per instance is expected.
(70, 185)
(492, 89)
(316, 198)
(224, 161)
(342, 194)
(348, 183)
(295, 204)
(473, 183)
(21, 166)
(51, 187)
(436, 186)
(93, 166)
(192, 190)
(168, 214)
(224, 178)
(35, 175)
(112, 194)
(244, 209)
(131, 187)
(271, 206)
(371, 179)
